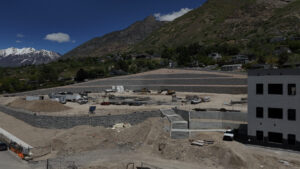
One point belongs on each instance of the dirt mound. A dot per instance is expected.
(91, 138)
(216, 154)
(38, 105)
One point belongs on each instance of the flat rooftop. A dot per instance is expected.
(274, 72)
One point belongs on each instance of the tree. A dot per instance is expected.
(168, 53)
(81, 75)
(283, 58)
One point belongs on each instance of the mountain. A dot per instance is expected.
(13, 57)
(237, 22)
(116, 41)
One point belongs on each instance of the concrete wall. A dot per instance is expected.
(234, 116)
(179, 125)
(63, 122)
(180, 134)
(217, 120)
(184, 114)
(196, 124)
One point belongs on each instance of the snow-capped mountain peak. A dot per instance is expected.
(26, 56)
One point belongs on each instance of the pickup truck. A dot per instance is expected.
(228, 135)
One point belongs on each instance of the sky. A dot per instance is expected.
(61, 25)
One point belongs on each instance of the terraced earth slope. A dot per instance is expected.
(175, 79)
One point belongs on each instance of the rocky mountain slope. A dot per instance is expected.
(248, 24)
(239, 22)
(13, 57)
(116, 41)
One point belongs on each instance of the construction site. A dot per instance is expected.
(162, 119)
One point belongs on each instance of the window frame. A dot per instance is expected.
(273, 91)
(274, 138)
(295, 115)
(290, 86)
(261, 132)
(273, 117)
(259, 92)
(257, 113)
(289, 140)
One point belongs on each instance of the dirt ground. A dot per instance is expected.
(47, 107)
(149, 142)
(182, 71)
(38, 105)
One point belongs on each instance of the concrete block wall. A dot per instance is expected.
(216, 120)
(180, 134)
(195, 124)
(234, 116)
(64, 122)
(179, 125)
(184, 114)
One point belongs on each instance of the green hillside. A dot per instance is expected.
(117, 41)
(235, 22)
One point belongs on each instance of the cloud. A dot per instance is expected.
(172, 16)
(58, 37)
(73, 41)
(18, 41)
(19, 35)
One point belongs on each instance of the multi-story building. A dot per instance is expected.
(274, 107)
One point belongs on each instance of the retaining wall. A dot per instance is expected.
(234, 116)
(64, 122)
(214, 119)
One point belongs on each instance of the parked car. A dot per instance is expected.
(228, 135)
(82, 101)
(3, 146)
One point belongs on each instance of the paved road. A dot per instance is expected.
(9, 161)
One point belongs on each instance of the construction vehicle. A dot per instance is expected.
(24, 154)
(167, 91)
(143, 90)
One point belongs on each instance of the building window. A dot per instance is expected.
(259, 135)
(291, 139)
(292, 89)
(260, 88)
(275, 137)
(275, 89)
(275, 113)
(292, 114)
(259, 112)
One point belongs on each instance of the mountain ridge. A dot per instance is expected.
(13, 57)
(230, 21)
(116, 41)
